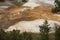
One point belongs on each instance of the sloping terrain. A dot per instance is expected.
(42, 12)
(12, 15)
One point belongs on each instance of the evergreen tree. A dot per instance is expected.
(57, 6)
(57, 32)
(2, 34)
(13, 35)
(24, 0)
(19, 3)
(44, 31)
(57, 3)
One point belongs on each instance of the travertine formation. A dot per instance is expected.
(26, 15)
(33, 18)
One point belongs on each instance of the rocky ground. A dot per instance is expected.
(12, 15)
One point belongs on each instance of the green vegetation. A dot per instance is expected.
(19, 3)
(44, 29)
(57, 6)
(57, 33)
(43, 35)
(24, 0)
(15, 35)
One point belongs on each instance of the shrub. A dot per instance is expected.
(24, 0)
(15, 35)
(26, 36)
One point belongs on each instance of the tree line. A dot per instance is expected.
(43, 35)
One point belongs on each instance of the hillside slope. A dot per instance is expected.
(12, 15)
(42, 12)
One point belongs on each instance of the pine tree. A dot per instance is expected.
(57, 3)
(2, 34)
(44, 30)
(57, 32)
(57, 6)
(24, 0)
